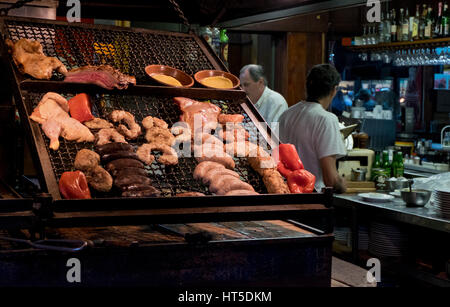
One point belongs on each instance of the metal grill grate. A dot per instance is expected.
(128, 51)
(170, 180)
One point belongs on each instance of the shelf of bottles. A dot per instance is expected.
(399, 30)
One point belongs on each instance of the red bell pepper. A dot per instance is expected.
(288, 159)
(73, 185)
(80, 108)
(301, 181)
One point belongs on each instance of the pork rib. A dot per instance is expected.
(103, 75)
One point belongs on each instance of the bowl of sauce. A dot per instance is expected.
(169, 76)
(217, 79)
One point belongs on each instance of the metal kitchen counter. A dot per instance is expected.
(397, 210)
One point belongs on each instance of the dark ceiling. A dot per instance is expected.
(203, 12)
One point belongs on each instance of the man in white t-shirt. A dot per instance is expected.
(269, 103)
(314, 131)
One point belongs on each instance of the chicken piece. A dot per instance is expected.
(52, 129)
(52, 114)
(98, 123)
(86, 159)
(30, 59)
(198, 115)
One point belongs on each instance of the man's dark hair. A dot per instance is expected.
(256, 72)
(321, 81)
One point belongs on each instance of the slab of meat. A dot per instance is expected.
(52, 114)
(103, 75)
(30, 59)
(207, 113)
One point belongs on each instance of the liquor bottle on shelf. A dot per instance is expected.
(429, 24)
(387, 28)
(405, 27)
(445, 21)
(393, 26)
(400, 26)
(438, 22)
(423, 22)
(415, 25)
(381, 29)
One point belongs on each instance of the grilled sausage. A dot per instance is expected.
(119, 164)
(113, 147)
(135, 187)
(130, 180)
(150, 192)
(130, 171)
(119, 155)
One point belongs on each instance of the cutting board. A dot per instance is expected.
(360, 187)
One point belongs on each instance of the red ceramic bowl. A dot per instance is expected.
(182, 77)
(199, 76)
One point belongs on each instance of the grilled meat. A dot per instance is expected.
(51, 112)
(103, 75)
(30, 59)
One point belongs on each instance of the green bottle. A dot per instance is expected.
(377, 162)
(395, 165)
(224, 46)
(398, 171)
(386, 164)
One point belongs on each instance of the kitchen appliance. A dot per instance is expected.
(356, 158)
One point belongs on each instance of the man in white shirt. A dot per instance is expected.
(314, 131)
(269, 103)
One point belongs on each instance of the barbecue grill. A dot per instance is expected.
(130, 51)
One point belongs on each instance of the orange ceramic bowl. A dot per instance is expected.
(182, 77)
(199, 76)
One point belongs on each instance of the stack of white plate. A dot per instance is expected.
(363, 238)
(387, 240)
(441, 201)
(343, 235)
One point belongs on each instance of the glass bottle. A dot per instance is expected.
(438, 22)
(393, 27)
(429, 24)
(386, 164)
(381, 29)
(415, 25)
(405, 27)
(377, 162)
(387, 28)
(399, 166)
(224, 46)
(423, 22)
(445, 21)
